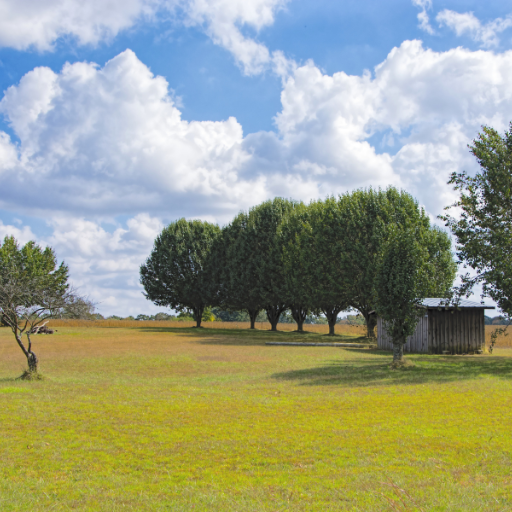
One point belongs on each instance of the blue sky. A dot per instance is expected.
(119, 117)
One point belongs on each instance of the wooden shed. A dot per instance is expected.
(443, 329)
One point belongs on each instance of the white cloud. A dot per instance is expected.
(423, 18)
(22, 234)
(40, 24)
(222, 20)
(111, 140)
(105, 265)
(468, 24)
(104, 142)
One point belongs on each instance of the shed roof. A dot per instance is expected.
(463, 304)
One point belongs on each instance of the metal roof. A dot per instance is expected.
(445, 303)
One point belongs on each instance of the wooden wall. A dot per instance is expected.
(456, 332)
(417, 343)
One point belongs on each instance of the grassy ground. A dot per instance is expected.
(182, 419)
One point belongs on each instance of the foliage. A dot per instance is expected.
(233, 270)
(33, 289)
(298, 285)
(236, 316)
(175, 273)
(365, 218)
(483, 230)
(400, 285)
(315, 254)
(259, 253)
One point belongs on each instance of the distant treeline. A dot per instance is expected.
(497, 320)
(288, 260)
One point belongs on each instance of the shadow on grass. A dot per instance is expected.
(252, 337)
(374, 369)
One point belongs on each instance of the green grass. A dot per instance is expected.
(185, 419)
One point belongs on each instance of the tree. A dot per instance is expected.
(400, 285)
(364, 220)
(33, 289)
(322, 245)
(174, 275)
(262, 248)
(297, 286)
(79, 307)
(484, 229)
(233, 270)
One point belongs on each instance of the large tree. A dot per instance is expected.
(261, 253)
(364, 222)
(401, 284)
(316, 279)
(298, 284)
(233, 269)
(483, 230)
(33, 289)
(175, 274)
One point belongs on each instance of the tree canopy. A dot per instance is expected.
(483, 231)
(33, 288)
(401, 284)
(175, 273)
(282, 255)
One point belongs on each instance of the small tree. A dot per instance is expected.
(33, 289)
(174, 275)
(400, 286)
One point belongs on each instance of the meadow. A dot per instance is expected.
(158, 417)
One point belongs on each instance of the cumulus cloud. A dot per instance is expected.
(223, 20)
(40, 24)
(23, 234)
(104, 265)
(111, 140)
(423, 18)
(468, 24)
(98, 142)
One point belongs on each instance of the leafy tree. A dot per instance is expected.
(233, 270)
(484, 229)
(236, 316)
(264, 251)
(298, 284)
(400, 285)
(313, 261)
(174, 275)
(33, 289)
(254, 261)
(364, 222)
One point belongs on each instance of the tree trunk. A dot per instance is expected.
(253, 314)
(32, 362)
(398, 352)
(198, 315)
(299, 315)
(332, 316)
(31, 357)
(273, 314)
(371, 322)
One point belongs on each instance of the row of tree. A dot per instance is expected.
(355, 251)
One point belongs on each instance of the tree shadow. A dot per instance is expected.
(376, 370)
(250, 337)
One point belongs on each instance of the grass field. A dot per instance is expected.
(179, 419)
